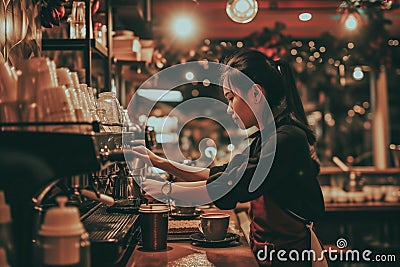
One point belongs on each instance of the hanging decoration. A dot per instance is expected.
(52, 12)
(20, 34)
(363, 4)
(242, 11)
(369, 45)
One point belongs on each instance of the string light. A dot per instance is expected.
(206, 82)
(195, 92)
(189, 75)
(358, 74)
(305, 16)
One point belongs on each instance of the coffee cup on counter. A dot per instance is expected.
(392, 193)
(154, 224)
(184, 207)
(214, 226)
(185, 210)
(377, 193)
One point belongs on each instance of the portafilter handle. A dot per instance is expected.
(118, 156)
(124, 156)
(109, 201)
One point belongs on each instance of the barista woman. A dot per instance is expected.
(290, 191)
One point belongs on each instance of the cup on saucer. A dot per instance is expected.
(183, 207)
(214, 226)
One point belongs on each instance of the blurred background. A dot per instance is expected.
(345, 56)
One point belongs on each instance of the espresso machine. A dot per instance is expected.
(91, 170)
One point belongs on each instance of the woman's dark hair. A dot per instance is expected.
(277, 80)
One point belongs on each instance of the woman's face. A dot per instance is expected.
(238, 106)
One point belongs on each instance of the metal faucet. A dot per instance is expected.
(353, 175)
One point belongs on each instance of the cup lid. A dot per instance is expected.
(62, 220)
(153, 208)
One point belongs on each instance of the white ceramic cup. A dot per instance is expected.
(214, 226)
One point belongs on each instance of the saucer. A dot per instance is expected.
(199, 239)
(185, 216)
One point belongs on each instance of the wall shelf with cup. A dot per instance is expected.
(365, 213)
(91, 46)
(75, 44)
(62, 127)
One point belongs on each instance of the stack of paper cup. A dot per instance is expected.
(8, 93)
(37, 75)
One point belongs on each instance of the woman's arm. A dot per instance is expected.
(195, 192)
(182, 171)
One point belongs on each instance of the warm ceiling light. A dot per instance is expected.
(160, 95)
(351, 22)
(242, 11)
(183, 26)
(305, 16)
(351, 19)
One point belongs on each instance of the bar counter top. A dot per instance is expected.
(184, 253)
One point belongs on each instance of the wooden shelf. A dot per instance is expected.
(125, 3)
(74, 44)
(99, 48)
(139, 63)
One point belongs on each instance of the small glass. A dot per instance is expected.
(77, 21)
(109, 103)
(98, 33)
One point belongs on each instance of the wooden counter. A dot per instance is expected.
(186, 254)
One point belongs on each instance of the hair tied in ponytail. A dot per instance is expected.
(277, 65)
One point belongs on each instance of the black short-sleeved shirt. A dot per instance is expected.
(291, 181)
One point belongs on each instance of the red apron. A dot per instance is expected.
(273, 228)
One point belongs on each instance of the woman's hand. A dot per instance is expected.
(153, 189)
(314, 155)
(146, 155)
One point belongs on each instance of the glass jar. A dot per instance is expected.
(109, 105)
(77, 21)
